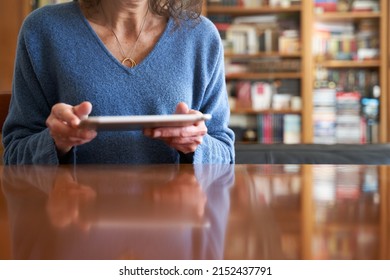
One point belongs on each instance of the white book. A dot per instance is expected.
(246, 35)
(256, 19)
(291, 129)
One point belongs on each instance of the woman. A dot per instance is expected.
(117, 57)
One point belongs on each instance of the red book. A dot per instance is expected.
(326, 6)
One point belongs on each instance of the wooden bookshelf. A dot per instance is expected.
(309, 16)
(377, 64)
(294, 12)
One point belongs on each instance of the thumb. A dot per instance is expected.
(181, 108)
(83, 109)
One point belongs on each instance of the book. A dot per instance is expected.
(291, 129)
(348, 119)
(365, 6)
(243, 38)
(321, 6)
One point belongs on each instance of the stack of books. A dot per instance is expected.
(350, 126)
(324, 115)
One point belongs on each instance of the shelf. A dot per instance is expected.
(346, 16)
(250, 111)
(263, 76)
(349, 64)
(239, 10)
(262, 55)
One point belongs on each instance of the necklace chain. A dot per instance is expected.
(127, 60)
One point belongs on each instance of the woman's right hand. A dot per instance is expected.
(63, 123)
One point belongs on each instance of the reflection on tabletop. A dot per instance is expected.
(164, 212)
(197, 212)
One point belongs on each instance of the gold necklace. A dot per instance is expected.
(127, 60)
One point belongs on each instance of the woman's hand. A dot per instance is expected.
(63, 123)
(184, 139)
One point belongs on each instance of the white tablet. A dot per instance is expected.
(142, 121)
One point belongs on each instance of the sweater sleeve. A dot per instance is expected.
(26, 138)
(218, 144)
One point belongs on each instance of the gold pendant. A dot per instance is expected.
(128, 60)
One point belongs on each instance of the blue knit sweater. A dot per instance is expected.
(61, 59)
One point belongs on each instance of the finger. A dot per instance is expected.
(64, 113)
(198, 129)
(185, 148)
(82, 110)
(182, 145)
(196, 112)
(64, 142)
(181, 108)
(186, 141)
(148, 132)
(59, 128)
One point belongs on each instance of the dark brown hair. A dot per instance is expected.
(177, 9)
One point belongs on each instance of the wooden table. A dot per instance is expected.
(195, 212)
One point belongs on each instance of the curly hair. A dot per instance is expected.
(177, 9)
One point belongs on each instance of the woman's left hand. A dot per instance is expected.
(184, 139)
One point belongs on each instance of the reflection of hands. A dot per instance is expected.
(63, 124)
(183, 190)
(184, 139)
(65, 200)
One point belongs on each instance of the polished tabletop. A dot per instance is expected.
(195, 212)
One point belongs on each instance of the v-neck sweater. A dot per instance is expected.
(61, 59)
